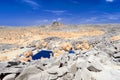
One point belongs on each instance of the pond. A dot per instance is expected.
(42, 53)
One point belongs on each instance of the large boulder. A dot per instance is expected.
(27, 72)
(66, 46)
(9, 77)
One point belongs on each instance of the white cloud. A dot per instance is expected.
(45, 20)
(56, 12)
(32, 3)
(113, 17)
(58, 19)
(59, 12)
(42, 21)
(109, 0)
(92, 19)
(106, 17)
(109, 16)
(75, 1)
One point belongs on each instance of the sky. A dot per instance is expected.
(40, 12)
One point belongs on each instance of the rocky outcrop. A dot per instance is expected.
(94, 57)
(93, 64)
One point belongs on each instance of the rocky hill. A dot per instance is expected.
(95, 52)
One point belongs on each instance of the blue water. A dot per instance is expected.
(71, 52)
(43, 53)
(46, 54)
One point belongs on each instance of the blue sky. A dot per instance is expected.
(39, 12)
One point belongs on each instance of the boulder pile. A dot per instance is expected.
(97, 63)
(91, 55)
